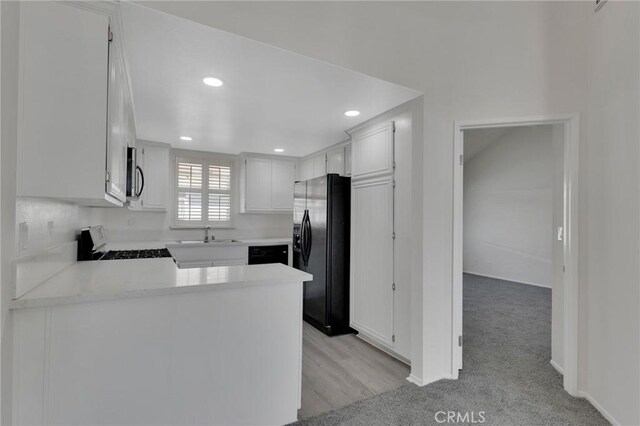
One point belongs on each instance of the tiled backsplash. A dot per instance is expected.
(127, 225)
(50, 223)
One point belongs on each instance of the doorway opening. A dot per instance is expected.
(511, 263)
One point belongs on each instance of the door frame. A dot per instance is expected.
(570, 124)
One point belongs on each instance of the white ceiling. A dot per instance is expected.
(477, 140)
(271, 98)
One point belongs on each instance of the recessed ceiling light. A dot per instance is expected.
(352, 113)
(212, 81)
(186, 138)
(279, 150)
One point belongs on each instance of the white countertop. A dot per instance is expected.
(116, 279)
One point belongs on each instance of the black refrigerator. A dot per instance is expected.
(321, 219)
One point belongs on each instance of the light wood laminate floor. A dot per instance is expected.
(338, 371)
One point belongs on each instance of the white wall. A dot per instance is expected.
(610, 252)
(476, 60)
(508, 207)
(557, 264)
(67, 220)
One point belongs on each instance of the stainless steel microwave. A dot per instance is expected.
(135, 175)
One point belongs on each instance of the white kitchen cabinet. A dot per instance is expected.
(306, 169)
(372, 243)
(335, 161)
(377, 307)
(372, 150)
(347, 160)
(118, 134)
(257, 173)
(153, 159)
(202, 355)
(282, 182)
(313, 167)
(74, 120)
(266, 185)
(319, 165)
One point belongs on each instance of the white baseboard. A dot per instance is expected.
(600, 408)
(415, 380)
(507, 279)
(557, 367)
(373, 342)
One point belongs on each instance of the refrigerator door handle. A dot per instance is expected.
(309, 237)
(306, 241)
(303, 238)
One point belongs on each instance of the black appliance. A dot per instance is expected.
(259, 255)
(92, 246)
(133, 170)
(321, 230)
(135, 254)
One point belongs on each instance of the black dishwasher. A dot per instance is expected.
(259, 255)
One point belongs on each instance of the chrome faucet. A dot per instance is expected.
(206, 235)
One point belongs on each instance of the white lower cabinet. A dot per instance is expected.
(228, 356)
(372, 259)
(201, 256)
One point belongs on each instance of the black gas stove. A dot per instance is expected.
(92, 246)
(135, 254)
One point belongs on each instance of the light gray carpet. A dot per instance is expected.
(506, 374)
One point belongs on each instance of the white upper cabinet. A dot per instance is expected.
(266, 185)
(118, 134)
(74, 120)
(335, 161)
(373, 151)
(257, 173)
(305, 170)
(282, 183)
(153, 159)
(347, 160)
(313, 167)
(319, 165)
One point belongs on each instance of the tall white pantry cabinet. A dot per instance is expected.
(75, 107)
(373, 302)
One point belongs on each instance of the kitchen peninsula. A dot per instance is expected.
(143, 342)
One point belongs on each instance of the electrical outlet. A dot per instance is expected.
(131, 221)
(23, 236)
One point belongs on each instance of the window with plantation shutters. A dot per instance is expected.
(203, 191)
